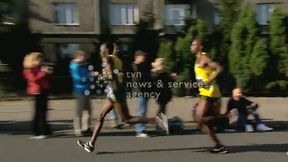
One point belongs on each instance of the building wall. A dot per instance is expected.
(280, 3)
(94, 16)
(89, 19)
(152, 7)
(266, 1)
(285, 2)
(143, 6)
(85, 34)
(206, 8)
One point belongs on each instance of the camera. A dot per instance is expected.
(48, 65)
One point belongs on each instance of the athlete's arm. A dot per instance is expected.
(218, 69)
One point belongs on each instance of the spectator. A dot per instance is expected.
(239, 105)
(158, 73)
(81, 89)
(37, 76)
(140, 67)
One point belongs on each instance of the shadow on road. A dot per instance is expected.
(24, 127)
(259, 148)
(199, 149)
(61, 127)
(232, 149)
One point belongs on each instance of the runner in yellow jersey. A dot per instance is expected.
(207, 109)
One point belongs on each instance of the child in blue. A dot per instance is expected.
(81, 90)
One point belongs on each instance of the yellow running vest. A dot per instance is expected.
(202, 75)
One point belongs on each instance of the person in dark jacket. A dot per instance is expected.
(81, 89)
(37, 77)
(159, 74)
(139, 66)
(239, 108)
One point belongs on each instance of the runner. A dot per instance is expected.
(116, 98)
(208, 107)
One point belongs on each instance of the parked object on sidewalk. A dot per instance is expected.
(176, 125)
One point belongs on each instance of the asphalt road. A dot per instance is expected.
(123, 146)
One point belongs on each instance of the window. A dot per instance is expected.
(216, 14)
(65, 14)
(216, 18)
(125, 47)
(66, 50)
(8, 20)
(263, 12)
(124, 14)
(176, 14)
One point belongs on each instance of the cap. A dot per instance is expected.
(140, 53)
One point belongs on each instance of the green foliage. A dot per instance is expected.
(258, 59)
(185, 60)
(183, 77)
(228, 11)
(145, 38)
(280, 85)
(278, 39)
(236, 42)
(166, 51)
(213, 53)
(182, 47)
(247, 56)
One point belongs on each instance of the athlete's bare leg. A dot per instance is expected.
(108, 106)
(122, 110)
(203, 121)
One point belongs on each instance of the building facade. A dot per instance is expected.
(68, 25)
(65, 26)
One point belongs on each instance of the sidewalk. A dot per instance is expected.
(271, 109)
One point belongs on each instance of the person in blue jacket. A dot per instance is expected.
(81, 89)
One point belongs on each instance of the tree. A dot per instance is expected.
(146, 38)
(258, 59)
(278, 50)
(246, 50)
(228, 12)
(278, 41)
(166, 50)
(182, 46)
(17, 41)
(258, 65)
(184, 59)
(220, 39)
